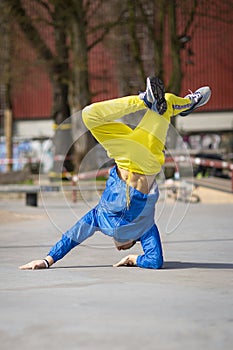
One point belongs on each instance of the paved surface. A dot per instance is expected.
(215, 183)
(83, 302)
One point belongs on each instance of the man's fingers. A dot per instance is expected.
(25, 267)
(122, 262)
(33, 265)
(36, 267)
(129, 260)
(29, 267)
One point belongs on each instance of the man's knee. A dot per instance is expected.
(91, 116)
(86, 116)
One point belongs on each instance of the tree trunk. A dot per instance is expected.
(5, 86)
(60, 104)
(80, 95)
(62, 129)
(80, 83)
(175, 80)
(176, 76)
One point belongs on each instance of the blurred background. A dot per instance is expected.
(58, 56)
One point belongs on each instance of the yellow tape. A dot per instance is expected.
(62, 126)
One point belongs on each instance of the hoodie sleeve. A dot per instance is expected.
(82, 229)
(153, 255)
(61, 248)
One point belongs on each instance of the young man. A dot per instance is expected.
(126, 209)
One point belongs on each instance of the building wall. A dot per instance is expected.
(211, 63)
(207, 60)
(33, 128)
(211, 121)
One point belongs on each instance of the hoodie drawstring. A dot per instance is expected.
(128, 190)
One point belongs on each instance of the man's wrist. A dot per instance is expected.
(48, 261)
(135, 259)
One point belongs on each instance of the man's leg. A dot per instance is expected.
(170, 105)
(100, 118)
(176, 105)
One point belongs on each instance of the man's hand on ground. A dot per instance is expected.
(38, 264)
(34, 265)
(129, 260)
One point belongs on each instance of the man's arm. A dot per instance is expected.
(83, 229)
(152, 257)
(57, 252)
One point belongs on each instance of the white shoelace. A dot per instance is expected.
(195, 95)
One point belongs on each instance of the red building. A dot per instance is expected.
(207, 60)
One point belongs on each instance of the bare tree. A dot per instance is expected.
(147, 29)
(76, 30)
(5, 85)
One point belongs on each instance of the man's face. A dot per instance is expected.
(125, 245)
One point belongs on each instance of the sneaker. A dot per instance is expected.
(154, 95)
(198, 98)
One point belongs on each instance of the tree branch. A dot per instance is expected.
(30, 31)
(106, 27)
(191, 17)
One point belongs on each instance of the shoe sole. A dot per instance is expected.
(156, 90)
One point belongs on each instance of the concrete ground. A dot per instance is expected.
(82, 302)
